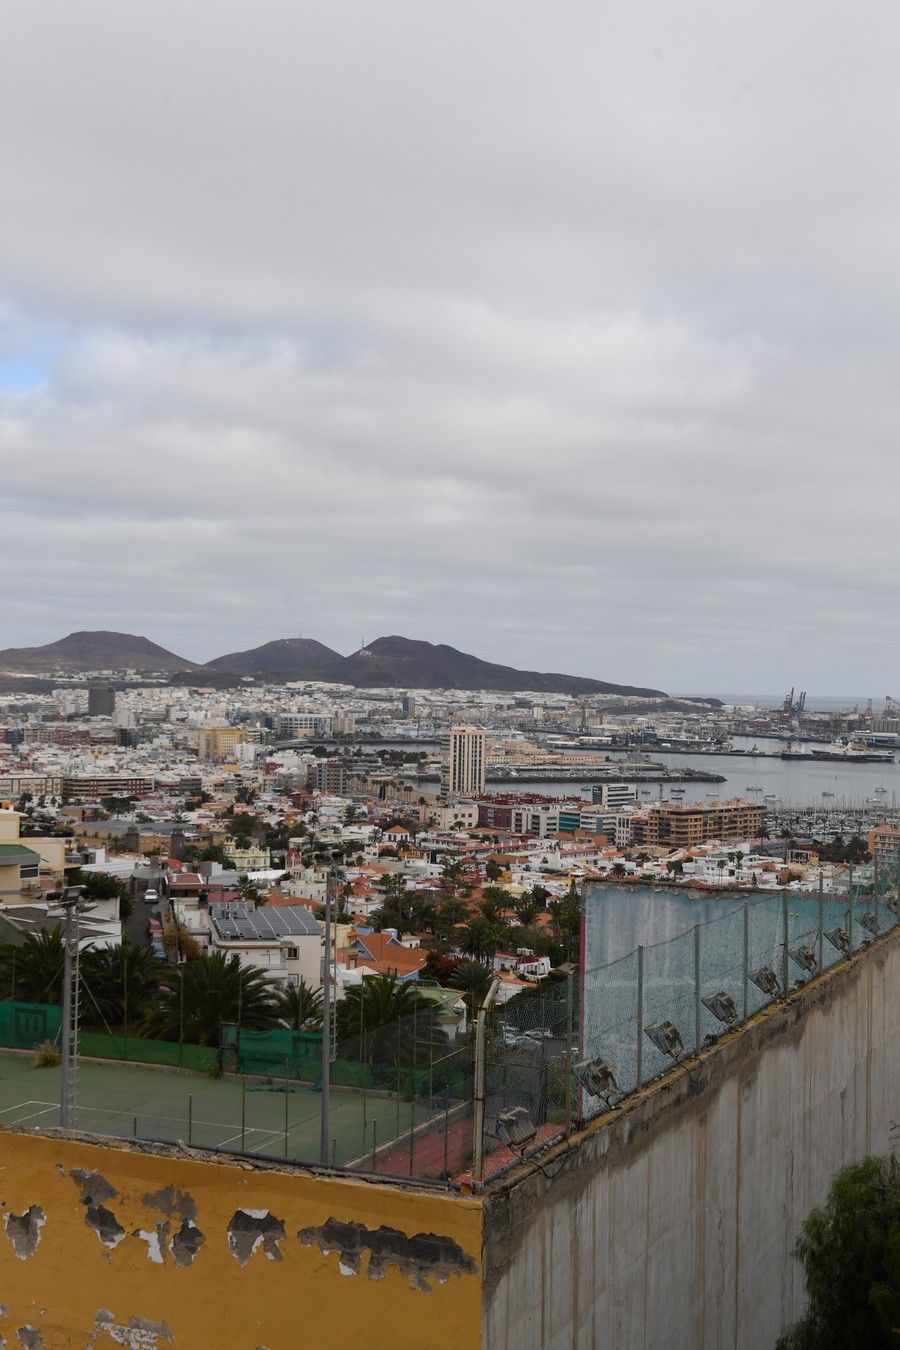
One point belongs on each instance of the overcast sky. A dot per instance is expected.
(565, 333)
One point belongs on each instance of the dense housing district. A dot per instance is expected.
(216, 816)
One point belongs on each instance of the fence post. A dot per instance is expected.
(478, 1141)
(412, 1140)
(697, 987)
(785, 969)
(850, 906)
(570, 1020)
(243, 1111)
(821, 921)
(746, 958)
(285, 1108)
(639, 1055)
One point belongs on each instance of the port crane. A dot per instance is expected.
(792, 709)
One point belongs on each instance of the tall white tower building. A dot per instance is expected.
(463, 769)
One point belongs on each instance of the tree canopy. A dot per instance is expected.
(202, 994)
(850, 1252)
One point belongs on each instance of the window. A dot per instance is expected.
(291, 953)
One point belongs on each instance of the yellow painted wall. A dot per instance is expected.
(79, 1273)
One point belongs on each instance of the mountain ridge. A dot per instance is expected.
(282, 657)
(411, 663)
(389, 662)
(93, 649)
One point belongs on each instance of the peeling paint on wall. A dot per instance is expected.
(155, 1239)
(94, 1190)
(423, 1257)
(186, 1243)
(138, 1333)
(252, 1229)
(161, 1221)
(24, 1231)
(187, 1239)
(172, 1202)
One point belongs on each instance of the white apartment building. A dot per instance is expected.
(284, 942)
(612, 796)
(462, 772)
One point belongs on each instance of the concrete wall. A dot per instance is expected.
(670, 1222)
(105, 1245)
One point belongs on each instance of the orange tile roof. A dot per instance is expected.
(387, 958)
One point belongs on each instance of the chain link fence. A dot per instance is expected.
(577, 1045)
(414, 1097)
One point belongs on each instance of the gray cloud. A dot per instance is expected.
(565, 334)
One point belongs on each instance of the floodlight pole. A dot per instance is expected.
(325, 1136)
(69, 1037)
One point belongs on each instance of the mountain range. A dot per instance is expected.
(392, 662)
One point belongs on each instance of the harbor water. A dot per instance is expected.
(821, 783)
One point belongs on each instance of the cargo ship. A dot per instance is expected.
(854, 751)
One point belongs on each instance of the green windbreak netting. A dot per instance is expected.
(279, 1051)
(25, 1025)
(140, 1050)
(298, 1055)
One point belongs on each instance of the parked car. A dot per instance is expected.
(150, 896)
(513, 1039)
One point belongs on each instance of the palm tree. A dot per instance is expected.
(385, 1021)
(490, 909)
(207, 992)
(250, 892)
(120, 984)
(474, 979)
(421, 915)
(483, 938)
(453, 911)
(526, 909)
(451, 877)
(299, 1007)
(395, 907)
(33, 969)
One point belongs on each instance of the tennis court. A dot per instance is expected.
(272, 1117)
